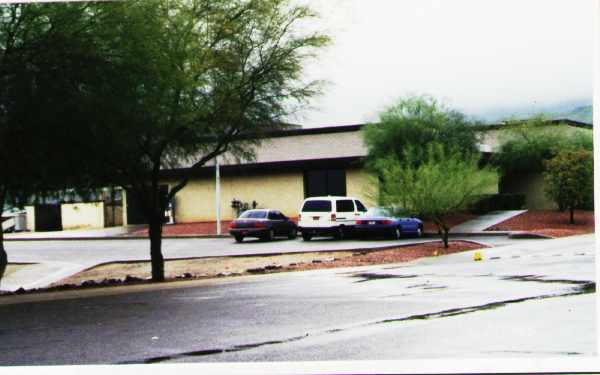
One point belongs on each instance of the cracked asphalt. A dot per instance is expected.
(529, 299)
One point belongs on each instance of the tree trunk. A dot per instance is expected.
(3, 255)
(445, 237)
(572, 217)
(158, 264)
(442, 231)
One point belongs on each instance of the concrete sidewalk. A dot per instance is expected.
(481, 223)
(74, 233)
(113, 233)
(40, 275)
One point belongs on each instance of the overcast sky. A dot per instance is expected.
(475, 55)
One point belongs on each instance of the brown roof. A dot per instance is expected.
(329, 143)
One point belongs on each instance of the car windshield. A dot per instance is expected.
(378, 211)
(253, 215)
(317, 206)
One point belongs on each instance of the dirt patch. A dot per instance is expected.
(235, 266)
(12, 268)
(549, 223)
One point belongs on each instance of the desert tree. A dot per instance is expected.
(443, 182)
(526, 144)
(418, 121)
(45, 54)
(569, 180)
(190, 80)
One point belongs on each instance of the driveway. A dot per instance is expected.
(532, 299)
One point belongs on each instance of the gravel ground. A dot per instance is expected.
(549, 223)
(244, 265)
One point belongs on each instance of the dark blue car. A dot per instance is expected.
(264, 224)
(378, 221)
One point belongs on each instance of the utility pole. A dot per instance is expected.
(218, 194)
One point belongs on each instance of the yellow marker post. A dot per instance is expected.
(477, 256)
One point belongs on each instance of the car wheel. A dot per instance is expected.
(419, 231)
(397, 233)
(239, 238)
(306, 237)
(293, 234)
(339, 233)
(270, 235)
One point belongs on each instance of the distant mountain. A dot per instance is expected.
(582, 113)
(580, 110)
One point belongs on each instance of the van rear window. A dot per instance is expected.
(253, 215)
(316, 206)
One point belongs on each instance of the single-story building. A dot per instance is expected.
(289, 165)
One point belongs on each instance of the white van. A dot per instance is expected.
(329, 216)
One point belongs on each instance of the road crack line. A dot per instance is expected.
(583, 287)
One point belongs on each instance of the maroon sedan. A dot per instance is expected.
(264, 224)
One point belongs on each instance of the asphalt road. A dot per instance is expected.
(530, 299)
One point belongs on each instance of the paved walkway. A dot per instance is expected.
(74, 233)
(40, 275)
(483, 222)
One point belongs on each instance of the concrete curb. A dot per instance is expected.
(212, 236)
(529, 235)
(472, 234)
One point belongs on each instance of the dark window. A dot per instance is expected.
(253, 215)
(324, 182)
(317, 206)
(345, 205)
(360, 207)
(275, 215)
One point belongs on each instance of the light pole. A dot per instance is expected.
(218, 194)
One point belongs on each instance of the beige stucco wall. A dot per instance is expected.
(82, 215)
(361, 185)
(281, 191)
(196, 202)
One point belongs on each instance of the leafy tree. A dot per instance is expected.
(189, 80)
(569, 179)
(442, 183)
(45, 55)
(527, 144)
(418, 120)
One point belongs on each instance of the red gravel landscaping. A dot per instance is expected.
(395, 255)
(549, 223)
(188, 229)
